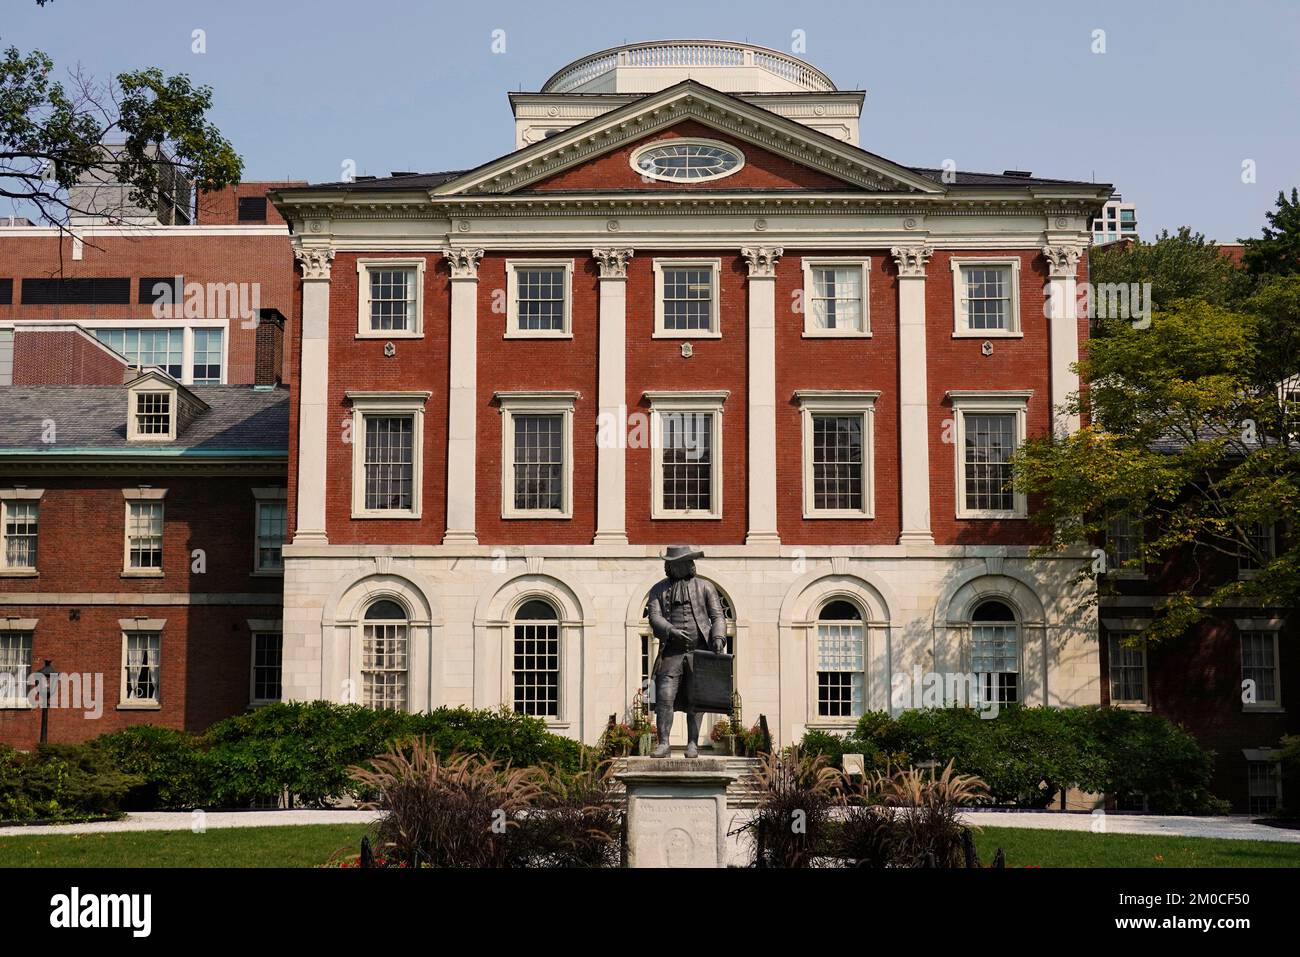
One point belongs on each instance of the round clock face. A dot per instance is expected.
(681, 161)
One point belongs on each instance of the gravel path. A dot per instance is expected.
(192, 820)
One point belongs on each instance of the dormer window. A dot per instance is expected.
(153, 415)
(159, 409)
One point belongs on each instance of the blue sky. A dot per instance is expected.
(1184, 94)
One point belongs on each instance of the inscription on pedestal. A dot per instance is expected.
(677, 832)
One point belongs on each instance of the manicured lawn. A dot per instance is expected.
(1024, 846)
(304, 845)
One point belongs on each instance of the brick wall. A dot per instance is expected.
(63, 357)
(221, 208)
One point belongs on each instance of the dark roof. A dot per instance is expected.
(996, 179)
(92, 418)
(404, 181)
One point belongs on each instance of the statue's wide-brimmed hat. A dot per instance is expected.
(680, 553)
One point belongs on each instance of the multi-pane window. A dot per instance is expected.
(539, 462)
(1259, 672)
(1262, 786)
(143, 666)
(144, 535)
(536, 655)
(20, 533)
(540, 299)
(15, 664)
(392, 299)
(164, 348)
(268, 651)
(841, 661)
(837, 462)
(687, 461)
(389, 462)
(207, 356)
(990, 440)
(687, 299)
(836, 299)
(995, 652)
(153, 414)
(272, 523)
(987, 297)
(1124, 540)
(1259, 549)
(1128, 669)
(384, 640)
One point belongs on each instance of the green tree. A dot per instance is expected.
(1182, 265)
(51, 135)
(1277, 252)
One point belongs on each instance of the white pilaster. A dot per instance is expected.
(313, 394)
(462, 396)
(611, 431)
(913, 402)
(1063, 317)
(762, 262)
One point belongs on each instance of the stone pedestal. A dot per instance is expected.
(676, 812)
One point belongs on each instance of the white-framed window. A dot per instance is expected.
(385, 639)
(1261, 675)
(536, 454)
(390, 298)
(387, 453)
(266, 671)
(995, 652)
(536, 649)
(841, 661)
(143, 553)
(539, 299)
(197, 353)
(270, 520)
(686, 298)
(686, 442)
(1124, 544)
(1128, 669)
(208, 362)
(686, 160)
(15, 666)
(141, 664)
(990, 426)
(838, 453)
(986, 297)
(836, 298)
(1263, 781)
(19, 528)
(1260, 549)
(153, 415)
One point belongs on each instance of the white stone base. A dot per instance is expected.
(677, 812)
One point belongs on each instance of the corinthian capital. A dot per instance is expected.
(762, 260)
(911, 260)
(1062, 261)
(612, 262)
(463, 261)
(315, 261)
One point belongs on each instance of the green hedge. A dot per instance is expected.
(302, 748)
(1026, 755)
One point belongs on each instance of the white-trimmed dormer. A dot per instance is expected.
(159, 408)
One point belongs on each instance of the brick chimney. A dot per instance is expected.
(269, 355)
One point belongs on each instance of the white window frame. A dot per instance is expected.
(1013, 402)
(1118, 570)
(1270, 756)
(969, 652)
(961, 325)
(153, 387)
(715, 325)
(8, 496)
(1118, 629)
(1245, 574)
(135, 626)
(685, 141)
(813, 402)
(256, 628)
(134, 496)
(512, 299)
(678, 402)
(262, 498)
(863, 621)
(23, 627)
(535, 403)
(364, 266)
(1270, 628)
(810, 330)
(187, 341)
(387, 403)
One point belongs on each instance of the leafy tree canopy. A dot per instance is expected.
(1182, 265)
(1277, 252)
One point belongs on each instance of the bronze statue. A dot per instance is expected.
(686, 616)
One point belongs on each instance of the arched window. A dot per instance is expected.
(647, 638)
(384, 644)
(841, 661)
(995, 652)
(537, 659)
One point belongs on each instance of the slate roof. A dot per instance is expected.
(92, 418)
(996, 179)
